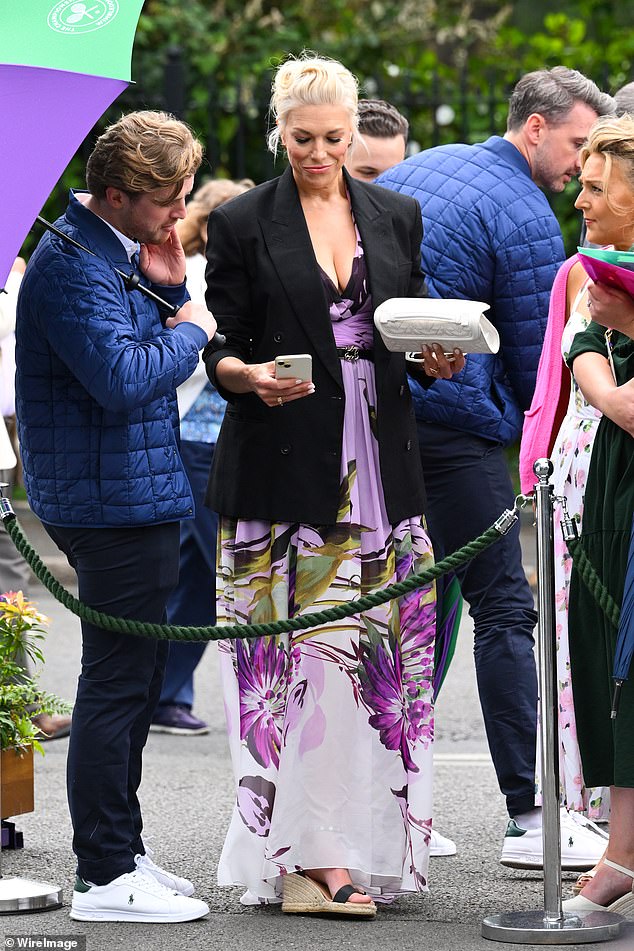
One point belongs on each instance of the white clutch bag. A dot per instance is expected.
(405, 323)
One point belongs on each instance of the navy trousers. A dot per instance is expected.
(127, 572)
(468, 487)
(193, 603)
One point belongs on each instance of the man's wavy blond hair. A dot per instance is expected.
(141, 152)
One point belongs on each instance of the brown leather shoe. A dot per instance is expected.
(52, 727)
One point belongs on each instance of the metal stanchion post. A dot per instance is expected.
(551, 925)
(22, 894)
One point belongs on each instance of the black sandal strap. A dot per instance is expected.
(344, 893)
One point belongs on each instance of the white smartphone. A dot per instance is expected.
(294, 366)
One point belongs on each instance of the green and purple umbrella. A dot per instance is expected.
(62, 64)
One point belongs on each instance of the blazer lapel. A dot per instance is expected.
(379, 246)
(288, 243)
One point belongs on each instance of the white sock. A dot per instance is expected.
(529, 820)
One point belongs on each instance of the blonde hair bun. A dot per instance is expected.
(310, 80)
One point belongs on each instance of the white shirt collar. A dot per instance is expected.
(131, 247)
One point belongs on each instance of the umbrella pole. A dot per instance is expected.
(131, 281)
(550, 925)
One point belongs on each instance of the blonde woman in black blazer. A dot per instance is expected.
(320, 491)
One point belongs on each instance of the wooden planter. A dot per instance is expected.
(16, 782)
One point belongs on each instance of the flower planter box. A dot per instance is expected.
(16, 782)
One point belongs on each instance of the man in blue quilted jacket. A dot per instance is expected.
(97, 371)
(490, 235)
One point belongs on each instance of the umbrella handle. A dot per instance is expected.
(132, 282)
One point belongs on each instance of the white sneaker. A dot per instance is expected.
(582, 844)
(441, 845)
(134, 896)
(174, 882)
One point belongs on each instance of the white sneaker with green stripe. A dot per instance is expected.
(133, 896)
(582, 844)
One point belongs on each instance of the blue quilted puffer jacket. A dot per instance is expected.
(95, 385)
(489, 235)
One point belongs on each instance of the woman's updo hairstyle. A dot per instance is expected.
(613, 138)
(310, 80)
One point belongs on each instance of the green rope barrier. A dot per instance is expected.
(590, 578)
(302, 622)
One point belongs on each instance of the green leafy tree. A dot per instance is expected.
(212, 63)
(589, 35)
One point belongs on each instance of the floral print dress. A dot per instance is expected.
(331, 728)
(571, 458)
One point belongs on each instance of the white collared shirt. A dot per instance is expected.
(131, 247)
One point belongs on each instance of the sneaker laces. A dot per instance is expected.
(580, 820)
(145, 861)
(148, 858)
(149, 883)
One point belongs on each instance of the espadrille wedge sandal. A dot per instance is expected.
(623, 905)
(304, 896)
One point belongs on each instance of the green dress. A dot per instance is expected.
(607, 746)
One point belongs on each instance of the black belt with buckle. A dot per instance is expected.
(352, 354)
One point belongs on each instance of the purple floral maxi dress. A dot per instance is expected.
(331, 729)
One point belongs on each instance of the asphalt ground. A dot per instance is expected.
(186, 796)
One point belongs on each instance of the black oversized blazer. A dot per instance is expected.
(265, 291)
